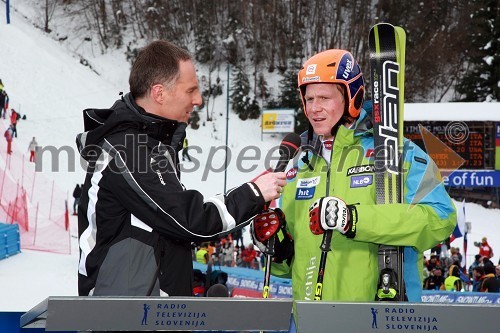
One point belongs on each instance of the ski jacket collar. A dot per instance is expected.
(126, 115)
(362, 126)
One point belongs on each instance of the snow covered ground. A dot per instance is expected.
(49, 85)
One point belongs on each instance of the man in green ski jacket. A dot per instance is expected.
(331, 186)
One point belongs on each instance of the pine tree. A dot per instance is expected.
(482, 80)
(290, 97)
(240, 88)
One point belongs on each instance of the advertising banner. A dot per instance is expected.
(278, 121)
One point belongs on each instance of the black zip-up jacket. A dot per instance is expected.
(136, 220)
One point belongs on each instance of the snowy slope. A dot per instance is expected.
(48, 84)
(51, 87)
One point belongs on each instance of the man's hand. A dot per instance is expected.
(271, 185)
(332, 213)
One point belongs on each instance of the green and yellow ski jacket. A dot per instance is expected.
(426, 217)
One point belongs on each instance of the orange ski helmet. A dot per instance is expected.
(335, 66)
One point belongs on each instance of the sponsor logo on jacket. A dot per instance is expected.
(361, 181)
(291, 174)
(308, 182)
(305, 193)
(356, 170)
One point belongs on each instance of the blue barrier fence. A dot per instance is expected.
(10, 242)
(438, 296)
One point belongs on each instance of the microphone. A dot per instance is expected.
(288, 148)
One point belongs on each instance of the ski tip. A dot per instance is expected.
(382, 25)
(401, 32)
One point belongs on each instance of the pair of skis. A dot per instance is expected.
(387, 66)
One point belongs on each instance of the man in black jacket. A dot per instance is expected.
(136, 220)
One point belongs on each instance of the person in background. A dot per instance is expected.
(4, 103)
(485, 250)
(331, 187)
(433, 262)
(435, 280)
(475, 263)
(248, 255)
(136, 220)
(185, 147)
(238, 237)
(490, 283)
(14, 117)
(202, 255)
(478, 275)
(227, 252)
(32, 149)
(77, 193)
(8, 137)
(453, 282)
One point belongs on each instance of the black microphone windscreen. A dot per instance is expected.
(290, 145)
(288, 148)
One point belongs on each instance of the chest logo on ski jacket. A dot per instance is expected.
(361, 181)
(305, 193)
(291, 174)
(308, 182)
(356, 170)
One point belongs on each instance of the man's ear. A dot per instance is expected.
(158, 92)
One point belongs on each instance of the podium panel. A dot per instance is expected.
(391, 317)
(159, 313)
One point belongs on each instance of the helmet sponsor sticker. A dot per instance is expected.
(361, 181)
(345, 68)
(305, 193)
(356, 170)
(311, 79)
(311, 69)
(370, 153)
(308, 182)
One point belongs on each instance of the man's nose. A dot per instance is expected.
(197, 100)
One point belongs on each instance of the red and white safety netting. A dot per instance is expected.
(31, 200)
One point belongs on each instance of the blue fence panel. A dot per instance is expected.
(10, 241)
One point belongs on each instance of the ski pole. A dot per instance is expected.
(325, 248)
(267, 271)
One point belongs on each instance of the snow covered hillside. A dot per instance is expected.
(48, 84)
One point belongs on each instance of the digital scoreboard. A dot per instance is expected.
(470, 140)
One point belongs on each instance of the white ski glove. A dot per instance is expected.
(332, 213)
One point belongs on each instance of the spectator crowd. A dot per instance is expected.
(444, 270)
(230, 252)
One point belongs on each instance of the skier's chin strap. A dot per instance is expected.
(345, 120)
